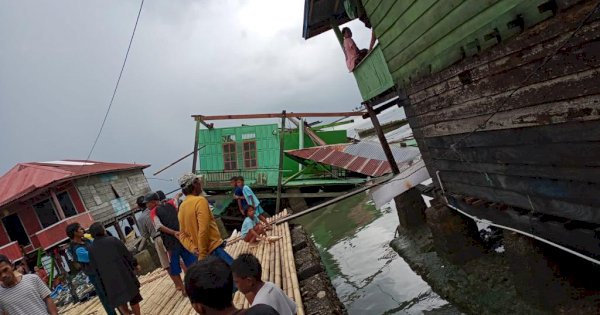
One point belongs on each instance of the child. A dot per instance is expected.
(252, 201)
(251, 230)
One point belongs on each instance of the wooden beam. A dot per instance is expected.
(311, 134)
(281, 157)
(59, 209)
(275, 115)
(196, 138)
(179, 160)
(384, 144)
(301, 195)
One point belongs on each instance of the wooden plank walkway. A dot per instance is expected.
(160, 296)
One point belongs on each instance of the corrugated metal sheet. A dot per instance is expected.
(365, 158)
(25, 178)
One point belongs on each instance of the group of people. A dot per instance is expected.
(186, 233)
(255, 223)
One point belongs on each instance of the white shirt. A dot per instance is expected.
(273, 296)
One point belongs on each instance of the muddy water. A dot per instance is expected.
(370, 278)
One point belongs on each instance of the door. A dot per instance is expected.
(16, 231)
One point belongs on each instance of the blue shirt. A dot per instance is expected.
(83, 256)
(239, 192)
(250, 196)
(248, 225)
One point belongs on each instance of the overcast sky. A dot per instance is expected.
(59, 61)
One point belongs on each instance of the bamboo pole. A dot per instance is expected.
(294, 276)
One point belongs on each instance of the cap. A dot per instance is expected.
(188, 179)
(151, 196)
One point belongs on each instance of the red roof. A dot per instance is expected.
(364, 158)
(25, 178)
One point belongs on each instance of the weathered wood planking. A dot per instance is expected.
(581, 239)
(538, 149)
(555, 207)
(532, 37)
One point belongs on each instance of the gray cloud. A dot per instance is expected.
(59, 61)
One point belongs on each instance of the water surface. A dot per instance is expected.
(370, 278)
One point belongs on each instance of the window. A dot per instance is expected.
(229, 156)
(45, 212)
(249, 154)
(66, 204)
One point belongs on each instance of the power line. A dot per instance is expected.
(117, 84)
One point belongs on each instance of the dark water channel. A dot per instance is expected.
(369, 276)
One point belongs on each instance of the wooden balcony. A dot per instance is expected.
(12, 251)
(372, 75)
(55, 234)
(255, 177)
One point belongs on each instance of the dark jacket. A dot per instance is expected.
(114, 265)
(168, 217)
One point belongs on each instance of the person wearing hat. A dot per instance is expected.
(167, 223)
(150, 232)
(199, 231)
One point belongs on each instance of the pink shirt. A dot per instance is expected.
(351, 52)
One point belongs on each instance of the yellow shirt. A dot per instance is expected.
(199, 231)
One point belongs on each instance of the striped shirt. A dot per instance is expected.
(25, 298)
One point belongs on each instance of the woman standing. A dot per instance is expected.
(115, 265)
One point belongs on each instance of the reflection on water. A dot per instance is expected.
(370, 278)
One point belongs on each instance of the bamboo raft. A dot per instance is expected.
(160, 296)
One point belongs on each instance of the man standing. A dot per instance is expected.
(24, 294)
(238, 195)
(115, 265)
(168, 224)
(199, 231)
(247, 273)
(79, 249)
(149, 232)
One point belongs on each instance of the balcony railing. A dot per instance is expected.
(254, 177)
(372, 75)
(12, 251)
(56, 234)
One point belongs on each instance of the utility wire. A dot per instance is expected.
(117, 84)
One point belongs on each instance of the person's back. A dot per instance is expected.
(113, 263)
(272, 295)
(199, 231)
(168, 217)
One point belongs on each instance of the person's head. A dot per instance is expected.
(233, 181)
(250, 212)
(247, 272)
(240, 181)
(161, 195)
(151, 199)
(75, 230)
(7, 274)
(97, 230)
(191, 184)
(209, 284)
(36, 268)
(346, 32)
(140, 202)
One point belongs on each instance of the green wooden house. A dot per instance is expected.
(253, 152)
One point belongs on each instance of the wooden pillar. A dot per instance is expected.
(59, 209)
(196, 138)
(281, 156)
(301, 139)
(119, 231)
(384, 144)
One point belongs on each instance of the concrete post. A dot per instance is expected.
(411, 208)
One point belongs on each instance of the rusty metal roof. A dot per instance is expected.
(365, 158)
